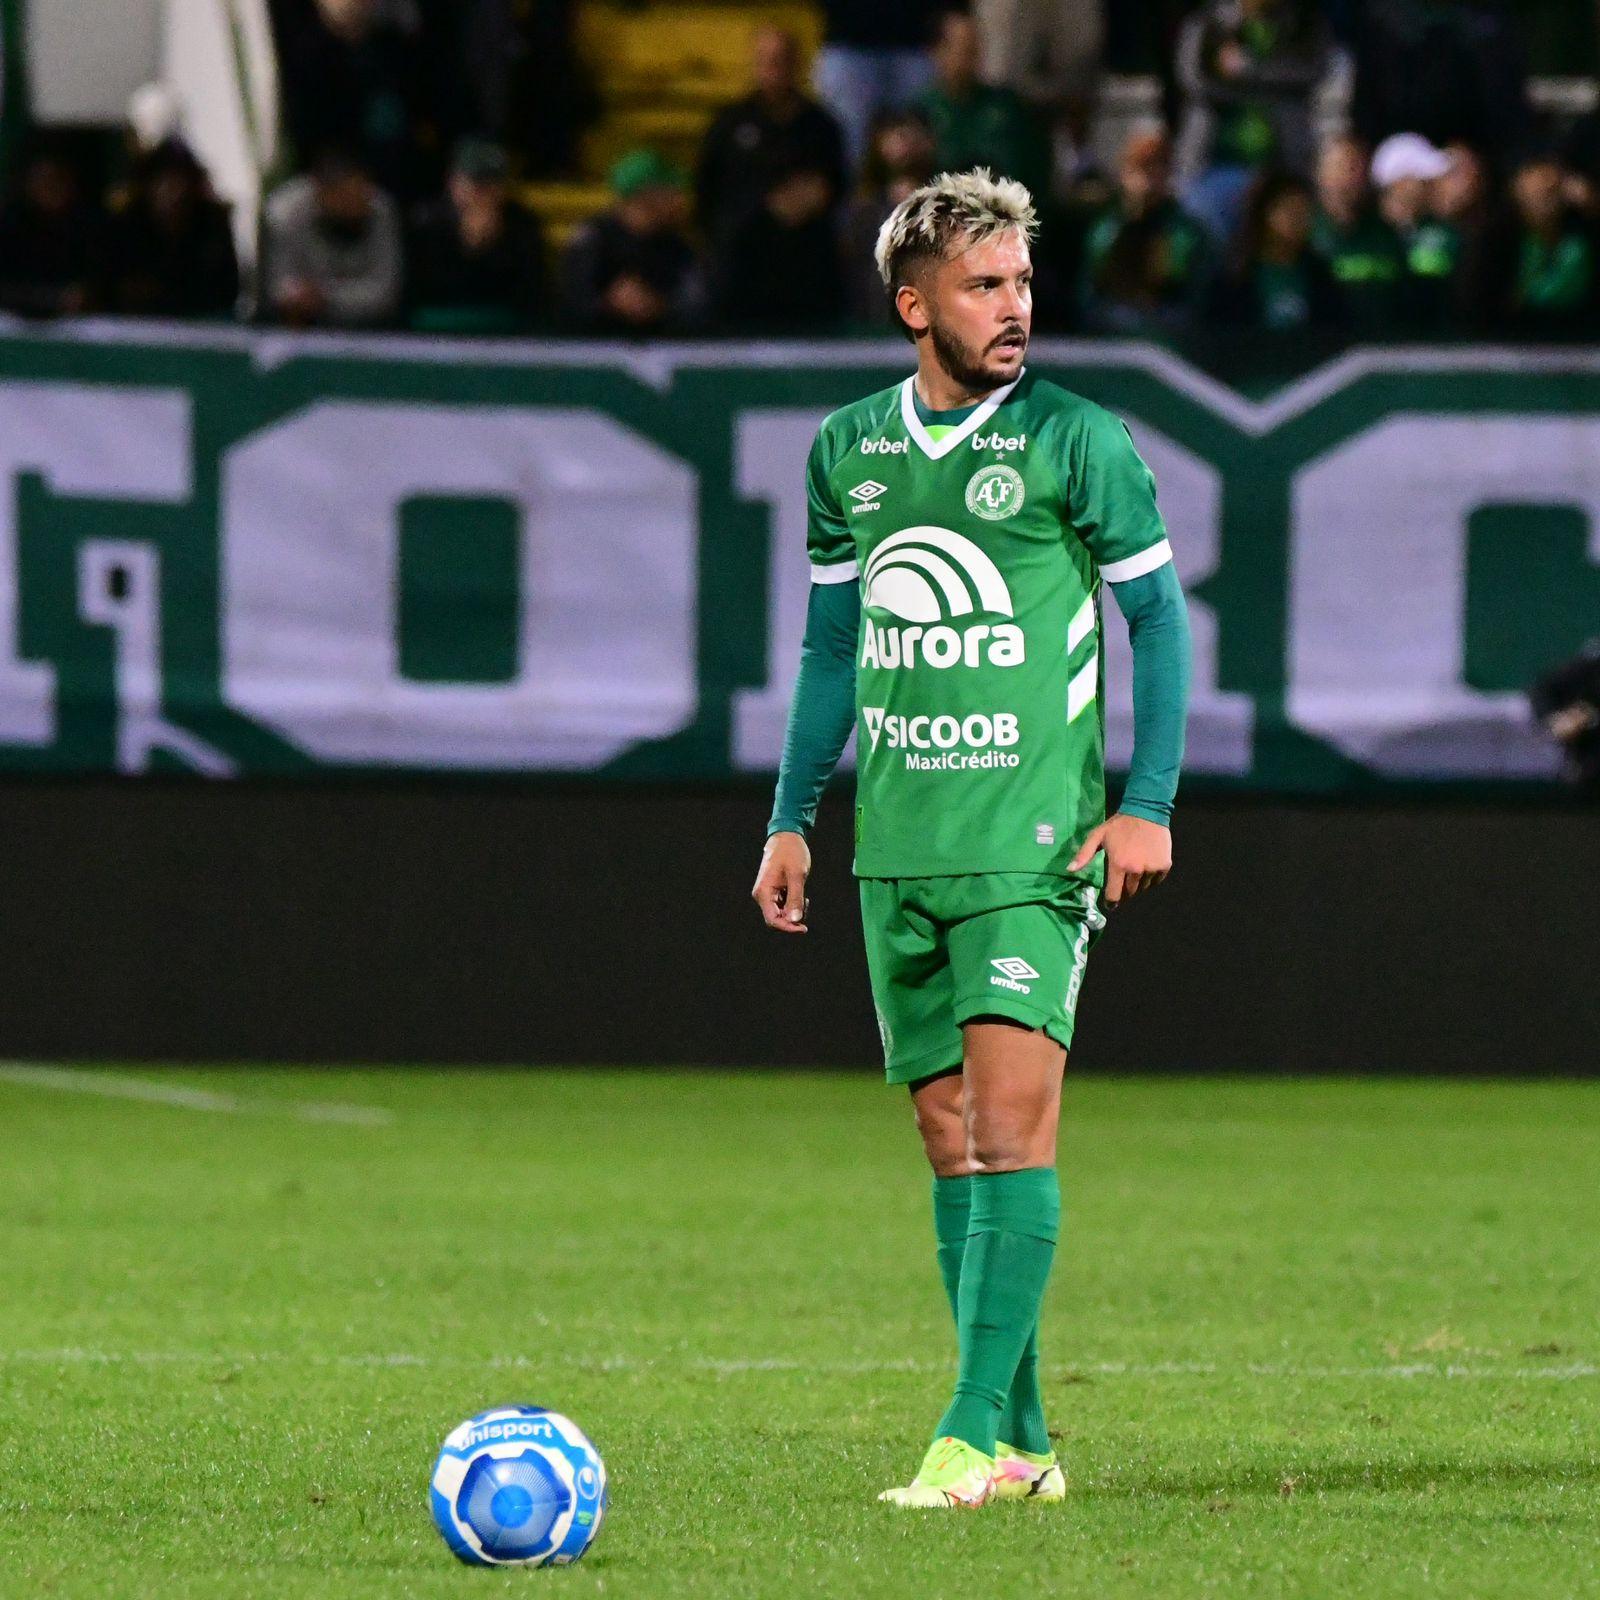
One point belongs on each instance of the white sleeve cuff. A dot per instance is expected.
(838, 572)
(1158, 555)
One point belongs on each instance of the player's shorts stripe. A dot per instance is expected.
(838, 572)
(1158, 555)
(1092, 920)
(1081, 625)
(1082, 688)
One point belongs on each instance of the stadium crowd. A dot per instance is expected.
(1430, 198)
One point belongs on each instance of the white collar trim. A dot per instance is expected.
(932, 448)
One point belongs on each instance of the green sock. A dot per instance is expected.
(1022, 1423)
(952, 1214)
(1022, 1420)
(1010, 1244)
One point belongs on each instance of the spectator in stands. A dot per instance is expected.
(1445, 71)
(976, 124)
(332, 248)
(874, 58)
(1580, 156)
(1051, 54)
(765, 140)
(1145, 258)
(900, 161)
(1467, 204)
(1277, 282)
(1248, 70)
(1405, 170)
(1047, 51)
(154, 116)
(1554, 288)
(779, 268)
(477, 261)
(171, 244)
(632, 269)
(52, 240)
(1362, 252)
(354, 76)
(524, 83)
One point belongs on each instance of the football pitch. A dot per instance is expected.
(1304, 1338)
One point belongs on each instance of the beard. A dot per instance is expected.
(964, 365)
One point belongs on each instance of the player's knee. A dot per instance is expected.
(948, 1161)
(943, 1133)
(1001, 1159)
(1007, 1137)
(944, 1142)
(998, 1147)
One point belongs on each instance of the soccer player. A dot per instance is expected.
(960, 525)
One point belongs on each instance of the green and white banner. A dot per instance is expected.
(235, 553)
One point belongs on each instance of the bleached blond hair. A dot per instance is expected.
(956, 210)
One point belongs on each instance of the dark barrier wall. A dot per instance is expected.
(482, 924)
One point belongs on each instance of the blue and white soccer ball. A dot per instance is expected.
(518, 1486)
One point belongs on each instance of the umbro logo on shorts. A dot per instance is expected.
(1012, 970)
(1013, 967)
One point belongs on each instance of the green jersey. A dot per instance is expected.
(979, 548)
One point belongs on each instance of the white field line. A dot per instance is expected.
(1565, 1372)
(117, 1086)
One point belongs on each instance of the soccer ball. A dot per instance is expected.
(518, 1486)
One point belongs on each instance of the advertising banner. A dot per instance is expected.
(235, 553)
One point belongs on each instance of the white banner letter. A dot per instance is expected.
(607, 570)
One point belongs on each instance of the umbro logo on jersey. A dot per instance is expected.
(1012, 970)
(885, 447)
(866, 494)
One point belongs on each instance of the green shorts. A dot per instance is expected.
(942, 951)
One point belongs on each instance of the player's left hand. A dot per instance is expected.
(1138, 855)
(780, 889)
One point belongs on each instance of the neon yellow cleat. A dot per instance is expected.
(1020, 1476)
(952, 1474)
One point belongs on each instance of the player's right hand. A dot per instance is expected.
(780, 889)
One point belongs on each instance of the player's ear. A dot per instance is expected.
(913, 313)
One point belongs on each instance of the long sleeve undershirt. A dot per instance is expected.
(824, 707)
(1158, 629)
(823, 710)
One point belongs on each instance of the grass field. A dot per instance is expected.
(1320, 1338)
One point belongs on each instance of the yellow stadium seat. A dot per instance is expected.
(564, 205)
(691, 54)
(664, 70)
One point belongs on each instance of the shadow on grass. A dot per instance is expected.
(1293, 1476)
